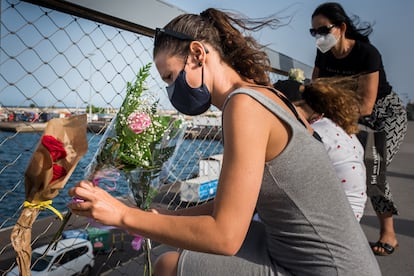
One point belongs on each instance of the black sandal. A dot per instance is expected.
(388, 248)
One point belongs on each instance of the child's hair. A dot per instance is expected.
(337, 99)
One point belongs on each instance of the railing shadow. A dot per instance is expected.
(402, 226)
(400, 175)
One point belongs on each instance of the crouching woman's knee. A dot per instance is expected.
(166, 264)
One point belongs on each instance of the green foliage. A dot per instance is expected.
(95, 109)
(128, 150)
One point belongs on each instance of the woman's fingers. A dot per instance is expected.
(155, 211)
(83, 190)
(82, 197)
(92, 201)
(86, 185)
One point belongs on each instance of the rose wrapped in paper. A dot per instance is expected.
(62, 145)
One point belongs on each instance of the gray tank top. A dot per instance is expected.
(311, 229)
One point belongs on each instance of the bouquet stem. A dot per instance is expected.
(21, 239)
(58, 234)
(143, 184)
(147, 251)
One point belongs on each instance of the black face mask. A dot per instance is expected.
(188, 100)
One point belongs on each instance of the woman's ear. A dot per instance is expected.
(198, 50)
(343, 28)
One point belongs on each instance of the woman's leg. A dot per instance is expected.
(391, 117)
(166, 264)
(253, 258)
(385, 209)
(387, 233)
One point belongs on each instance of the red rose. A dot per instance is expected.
(54, 146)
(58, 172)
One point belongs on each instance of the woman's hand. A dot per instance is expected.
(96, 203)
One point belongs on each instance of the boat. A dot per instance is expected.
(204, 186)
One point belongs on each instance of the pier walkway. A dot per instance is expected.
(401, 178)
(401, 263)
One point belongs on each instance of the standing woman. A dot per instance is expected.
(271, 163)
(344, 49)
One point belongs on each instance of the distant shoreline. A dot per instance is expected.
(99, 127)
(22, 126)
(94, 127)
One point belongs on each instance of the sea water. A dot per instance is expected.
(16, 150)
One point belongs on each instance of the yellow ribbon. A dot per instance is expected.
(42, 206)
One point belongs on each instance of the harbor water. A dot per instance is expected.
(16, 151)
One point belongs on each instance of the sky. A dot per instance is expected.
(392, 36)
(95, 63)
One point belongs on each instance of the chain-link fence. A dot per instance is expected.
(53, 64)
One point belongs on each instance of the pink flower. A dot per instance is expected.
(138, 122)
(76, 200)
(136, 242)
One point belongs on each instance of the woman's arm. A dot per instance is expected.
(201, 209)
(315, 73)
(368, 89)
(247, 131)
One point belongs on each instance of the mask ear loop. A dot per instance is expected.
(202, 75)
(202, 67)
(185, 62)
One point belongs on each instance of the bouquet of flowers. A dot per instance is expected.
(296, 74)
(141, 144)
(62, 145)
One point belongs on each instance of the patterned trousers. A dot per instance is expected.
(389, 115)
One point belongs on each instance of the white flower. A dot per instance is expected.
(296, 74)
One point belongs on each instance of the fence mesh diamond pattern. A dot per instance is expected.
(54, 64)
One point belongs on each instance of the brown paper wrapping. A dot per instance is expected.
(72, 132)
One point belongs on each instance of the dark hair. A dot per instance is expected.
(290, 88)
(337, 99)
(336, 14)
(219, 29)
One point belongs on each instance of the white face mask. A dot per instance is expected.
(325, 42)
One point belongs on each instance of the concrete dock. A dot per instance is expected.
(122, 261)
(401, 179)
